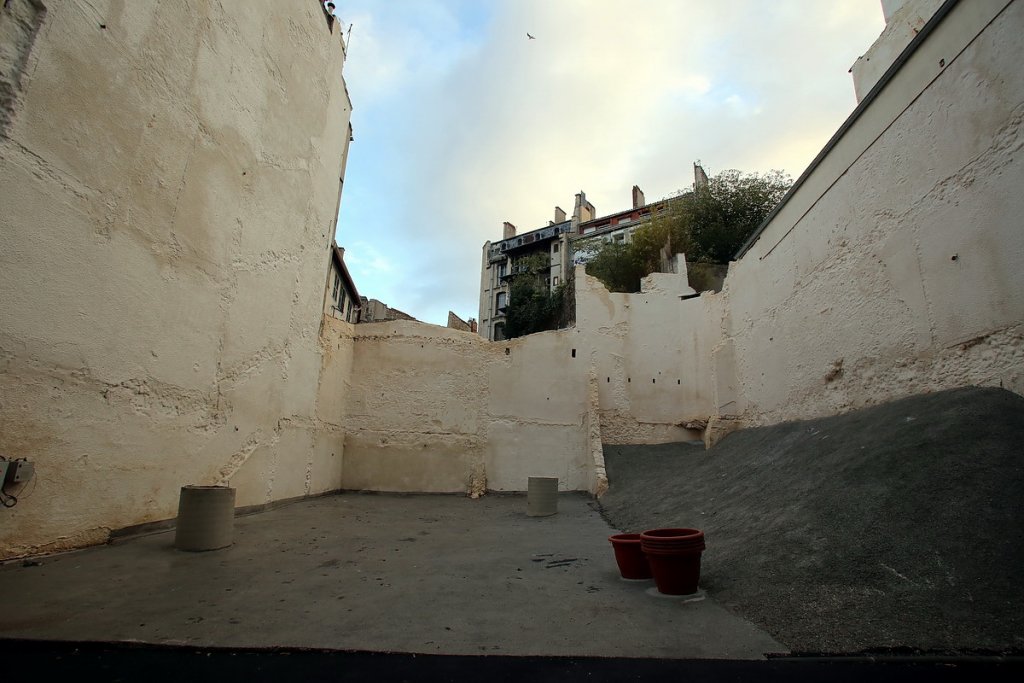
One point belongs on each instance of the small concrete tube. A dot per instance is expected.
(206, 518)
(541, 496)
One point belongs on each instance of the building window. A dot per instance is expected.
(554, 281)
(337, 283)
(502, 269)
(554, 248)
(501, 300)
(499, 332)
(341, 299)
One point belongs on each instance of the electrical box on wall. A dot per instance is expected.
(18, 471)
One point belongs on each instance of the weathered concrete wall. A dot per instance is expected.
(437, 409)
(441, 410)
(651, 354)
(169, 176)
(169, 192)
(896, 268)
(537, 404)
(414, 412)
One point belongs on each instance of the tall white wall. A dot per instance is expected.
(651, 354)
(441, 410)
(436, 409)
(896, 268)
(169, 184)
(169, 187)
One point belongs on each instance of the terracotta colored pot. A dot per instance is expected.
(674, 558)
(675, 574)
(672, 536)
(629, 556)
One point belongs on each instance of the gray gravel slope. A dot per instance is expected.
(901, 525)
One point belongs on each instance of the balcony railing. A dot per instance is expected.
(499, 249)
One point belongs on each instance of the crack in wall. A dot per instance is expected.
(45, 170)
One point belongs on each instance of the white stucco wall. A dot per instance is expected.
(896, 268)
(441, 410)
(165, 248)
(169, 183)
(651, 354)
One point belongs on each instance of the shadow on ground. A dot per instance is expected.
(897, 526)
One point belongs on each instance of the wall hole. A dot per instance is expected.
(574, 353)
(629, 379)
(608, 379)
(507, 350)
(653, 381)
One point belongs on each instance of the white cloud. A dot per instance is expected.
(462, 122)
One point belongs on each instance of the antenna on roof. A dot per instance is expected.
(348, 38)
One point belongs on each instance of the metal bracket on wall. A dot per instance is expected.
(18, 471)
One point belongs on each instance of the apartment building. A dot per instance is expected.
(562, 241)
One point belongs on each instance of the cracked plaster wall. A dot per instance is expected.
(436, 409)
(651, 355)
(896, 268)
(164, 261)
(439, 410)
(170, 176)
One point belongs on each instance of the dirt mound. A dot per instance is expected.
(901, 525)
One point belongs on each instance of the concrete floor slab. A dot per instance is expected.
(422, 574)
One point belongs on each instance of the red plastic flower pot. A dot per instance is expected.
(674, 558)
(675, 574)
(630, 557)
(672, 535)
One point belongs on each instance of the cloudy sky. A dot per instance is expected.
(462, 122)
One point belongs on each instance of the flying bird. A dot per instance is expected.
(530, 37)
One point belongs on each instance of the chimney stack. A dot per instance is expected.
(700, 178)
(638, 198)
(559, 215)
(584, 211)
(508, 230)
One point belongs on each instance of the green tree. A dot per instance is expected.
(531, 306)
(709, 225)
(618, 266)
(728, 211)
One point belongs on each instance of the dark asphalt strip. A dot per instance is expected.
(133, 661)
